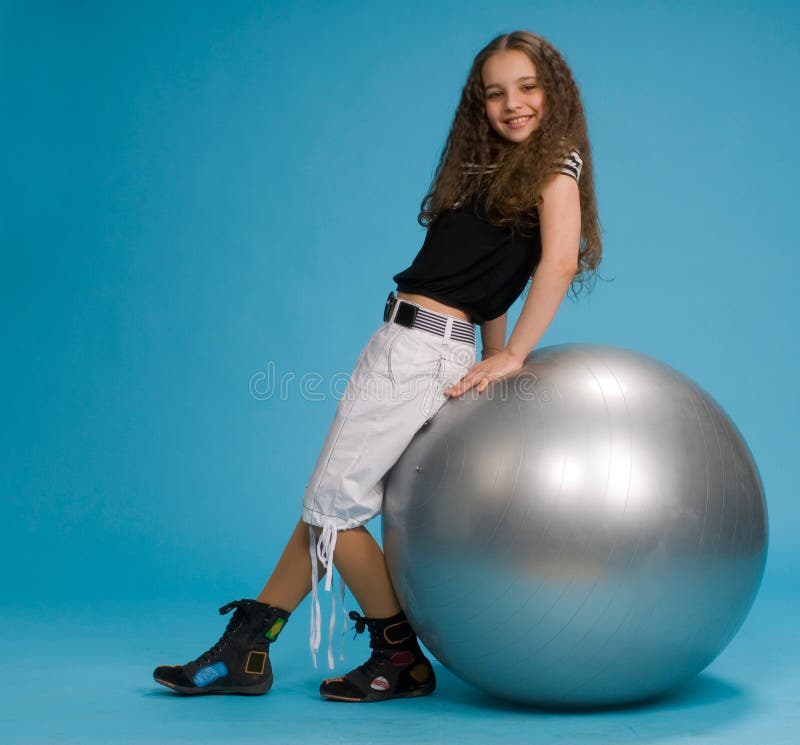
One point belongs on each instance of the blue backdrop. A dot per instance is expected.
(202, 200)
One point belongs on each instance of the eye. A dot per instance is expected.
(529, 86)
(493, 94)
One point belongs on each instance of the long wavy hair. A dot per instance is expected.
(476, 160)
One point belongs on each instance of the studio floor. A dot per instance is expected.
(82, 675)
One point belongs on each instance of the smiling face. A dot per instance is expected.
(515, 102)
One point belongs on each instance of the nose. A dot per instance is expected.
(512, 103)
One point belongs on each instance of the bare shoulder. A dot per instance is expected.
(560, 194)
(559, 185)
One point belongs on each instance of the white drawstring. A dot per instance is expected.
(315, 611)
(322, 550)
(344, 613)
(326, 545)
(331, 626)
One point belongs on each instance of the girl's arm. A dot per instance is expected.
(560, 225)
(493, 336)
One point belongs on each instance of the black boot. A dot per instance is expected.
(239, 661)
(396, 669)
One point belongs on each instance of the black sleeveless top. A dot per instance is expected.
(470, 264)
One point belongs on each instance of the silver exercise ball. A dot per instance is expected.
(590, 531)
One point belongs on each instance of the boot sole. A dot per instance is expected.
(258, 690)
(374, 699)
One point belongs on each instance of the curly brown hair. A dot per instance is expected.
(475, 159)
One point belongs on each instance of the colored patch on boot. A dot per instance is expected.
(256, 662)
(275, 629)
(380, 684)
(208, 674)
(402, 659)
(397, 633)
(420, 673)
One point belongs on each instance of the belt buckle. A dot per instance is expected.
(390, 303)
(406, 314)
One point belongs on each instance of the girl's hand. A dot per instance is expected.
(484, 372)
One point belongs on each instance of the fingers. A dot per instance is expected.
(479, 380)
(461, 387)
(480, 375)
(455, 390)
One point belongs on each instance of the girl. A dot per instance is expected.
(512, 196)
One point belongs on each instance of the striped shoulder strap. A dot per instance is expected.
(571, 165)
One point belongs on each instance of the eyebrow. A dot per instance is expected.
(519, 80)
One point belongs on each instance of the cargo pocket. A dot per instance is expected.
(447, 372)
(434, 390)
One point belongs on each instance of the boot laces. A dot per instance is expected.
(375, 664)
(237, 619)
(360, 623)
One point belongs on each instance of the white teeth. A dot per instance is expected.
(519, 120)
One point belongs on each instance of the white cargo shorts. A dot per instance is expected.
(397, 384)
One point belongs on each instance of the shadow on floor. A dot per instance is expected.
(704, 704)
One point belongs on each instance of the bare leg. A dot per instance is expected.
(359, 559)
(290, 581)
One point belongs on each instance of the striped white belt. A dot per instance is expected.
(415, 316)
